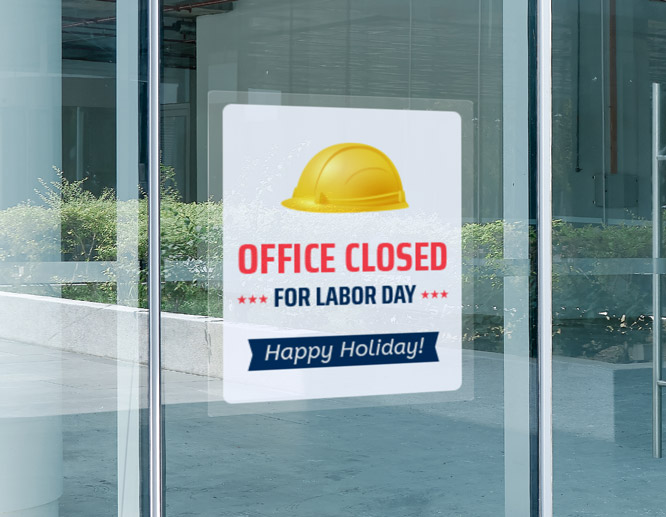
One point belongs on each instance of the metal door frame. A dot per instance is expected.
(658, 382)
(545, 254)
(542, 10)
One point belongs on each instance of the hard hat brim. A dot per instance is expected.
(307, 205)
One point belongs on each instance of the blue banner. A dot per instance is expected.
(352, 350)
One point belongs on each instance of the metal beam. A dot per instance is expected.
(656, 278)
(154, 314)
(545, 253)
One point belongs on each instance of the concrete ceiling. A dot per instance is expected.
(89, 29)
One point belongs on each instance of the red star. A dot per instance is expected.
(263, 299)
(424, 294)
(434, 294)
(444, 294)
(241, 300)
(253, 299)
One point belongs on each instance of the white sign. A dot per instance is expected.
(342, 260)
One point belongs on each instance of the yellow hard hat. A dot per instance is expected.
(348, 178)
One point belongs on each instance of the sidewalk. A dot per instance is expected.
(400, 456)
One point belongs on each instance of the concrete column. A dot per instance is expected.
(30, 97)
(30, 146)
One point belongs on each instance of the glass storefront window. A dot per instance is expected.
(606, 57)
(358, 182)
(72, 239)
(273, 84)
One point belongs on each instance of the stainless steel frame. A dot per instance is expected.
(154, 316)
(658, 382)
(545, 254)
(544, 125)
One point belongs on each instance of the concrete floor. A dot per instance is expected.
(386, 456)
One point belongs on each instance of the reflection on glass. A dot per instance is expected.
(606, 56)
(72, 225)
(391, 455)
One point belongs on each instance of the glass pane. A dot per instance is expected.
(72, 238)
(606, 55)
(429, 86)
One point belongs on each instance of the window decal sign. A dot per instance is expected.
(348, 178)
(342, 261)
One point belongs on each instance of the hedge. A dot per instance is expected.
(73, 225)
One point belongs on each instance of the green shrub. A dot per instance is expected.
(29, 234)
(72, 224)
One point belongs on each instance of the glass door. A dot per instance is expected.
(347, 210)
(72, 244)
(608, 64)
(346, 240)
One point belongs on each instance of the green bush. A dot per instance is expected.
(29, 234)
(72, 224)
(601, 241)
